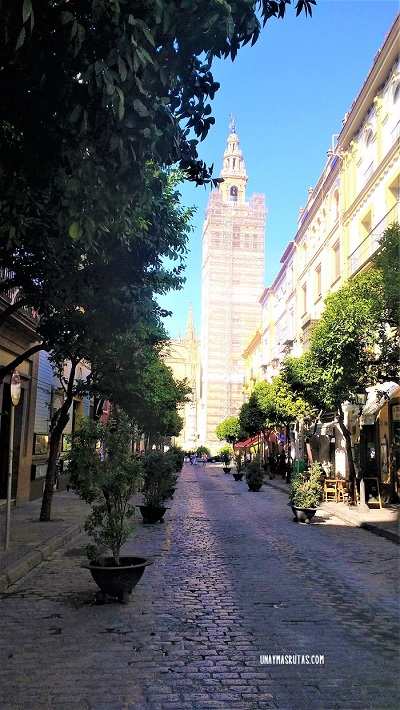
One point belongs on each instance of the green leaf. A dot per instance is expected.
(123, 72)
(146, 31)
(75, 231)
(21, 39)
(114, 142)
(26, 10)
(140, 108)
(76, 112)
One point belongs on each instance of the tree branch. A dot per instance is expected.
(7, 369)
(4, 315)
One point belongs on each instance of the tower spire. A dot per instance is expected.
(233, 171)
(190, 329)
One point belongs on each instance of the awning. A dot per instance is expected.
(248, 442)
(376, 398)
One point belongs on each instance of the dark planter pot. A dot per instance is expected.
(152, 513)
(238, 476)
(302, 515)
(170, 492)
(226, 469)
(117, 581)
(254, 487)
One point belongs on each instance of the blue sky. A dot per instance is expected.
(288, 93)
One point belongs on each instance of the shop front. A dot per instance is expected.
(380, 439)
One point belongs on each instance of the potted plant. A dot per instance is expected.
(104, 474)
(239, 473)
(305, 493)
(254, 475)
(158, 478)
(226, 456)
(178, 456)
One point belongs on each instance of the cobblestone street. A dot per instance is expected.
(233, 579)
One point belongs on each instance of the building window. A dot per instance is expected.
(336, 205)
(366, 225)
(304, 298)
(336, 261)
(233, 193)
(318, 283)
(368, 160)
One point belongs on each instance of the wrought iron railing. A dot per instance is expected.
(10, 296)
(370, 245)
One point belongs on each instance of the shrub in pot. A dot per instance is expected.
(178, 456)
(226, 456)
(159, 477)
(305, 492)
(238, 459)
(103, 472)
(254, 475)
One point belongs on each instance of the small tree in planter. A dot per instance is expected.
(254, 475)
(159, 475)
(238, 458)
(305, 493)
(178, 455)
(104, 474)
(226, 456)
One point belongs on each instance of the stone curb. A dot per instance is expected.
(33, 558)
(371, 527)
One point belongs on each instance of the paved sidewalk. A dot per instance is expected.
(31, 541)
(383, 522)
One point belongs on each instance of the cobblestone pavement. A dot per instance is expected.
(233, 579)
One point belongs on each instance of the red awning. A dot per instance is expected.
(248, 442)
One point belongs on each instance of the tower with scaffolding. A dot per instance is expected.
(232, 282)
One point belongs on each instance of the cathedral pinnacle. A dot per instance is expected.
(190, 329)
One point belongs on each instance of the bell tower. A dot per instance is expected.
(232, 283)
(233, 189)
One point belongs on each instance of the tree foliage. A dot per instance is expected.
(387, 260)
(251, 418)
(94, 90)
(229, 430)
(279, 404)
(343, 357)
(84, 298)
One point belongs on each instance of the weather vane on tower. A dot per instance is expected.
(232, 123)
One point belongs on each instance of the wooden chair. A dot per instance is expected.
(342, 491)
(330, 490)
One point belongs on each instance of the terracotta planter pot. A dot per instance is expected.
(117, 581)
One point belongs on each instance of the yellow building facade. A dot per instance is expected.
(339, 230)
(182, 356)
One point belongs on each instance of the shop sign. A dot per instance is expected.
(396, 412)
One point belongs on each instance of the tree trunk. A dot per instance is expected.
(55, 438)
(349, 455)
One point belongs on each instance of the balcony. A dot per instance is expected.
(8, 298)
(370, 245)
